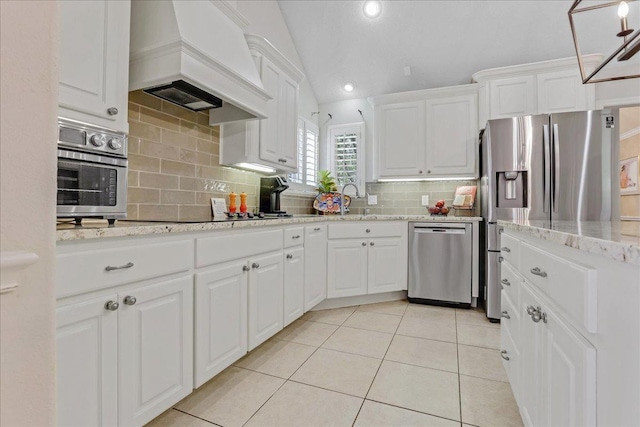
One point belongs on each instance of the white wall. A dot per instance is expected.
(265, 19)
(345, 112)
(29, 45)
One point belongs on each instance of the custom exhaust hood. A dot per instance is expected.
(194, 54)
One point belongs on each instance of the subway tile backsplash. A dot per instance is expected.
(174, 168)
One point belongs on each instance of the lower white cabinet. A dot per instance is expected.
(387, 265)
(87, 363)
(315, 265)
(293, 284)
(125, 358)
(155, 349)
(220, 319)
(266, 291)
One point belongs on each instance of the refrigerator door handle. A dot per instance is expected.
(556, 157)
(546, 178)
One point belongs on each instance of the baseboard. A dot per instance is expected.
(360, 299)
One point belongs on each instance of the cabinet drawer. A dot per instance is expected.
(231, 246)
(366, 230)
(510, 315)
(510, 354)
(510, 281)
(93, 269)
(573, 287)
(293, 237)
(509, 249)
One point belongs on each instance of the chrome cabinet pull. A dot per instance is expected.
(129, 300)
(111, 305)
(255, 265)
(112, 111)
(111, 268)
(289, 256)
(505, 249)
(530, 310)
(538, 315)
(364, 243)
(500, 259)
(297, 236)
(371, 244)
(368, 230)
(316, 229)
(245, 268)
(505, 314)
(503, 354)
(505, 282)
(538, 272)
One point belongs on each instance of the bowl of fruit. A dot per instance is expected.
(439, 209)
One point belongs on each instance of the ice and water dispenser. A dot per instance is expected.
(512, 189)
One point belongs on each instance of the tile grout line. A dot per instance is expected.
(458, 360)
(416, 411)
(195, 416)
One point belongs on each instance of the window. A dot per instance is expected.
(307, 155)
(346, 150)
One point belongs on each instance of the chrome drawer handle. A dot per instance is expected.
(112, 111)
(289, 256)
(505, 314)
(538, 315)
(316, 229)
(505, 282)
(503, 354)
(129, 300)
(364, 243)
(297, 236)
(255, 265)
(505, 249)
(530, 310)
(538, 272)
(368, 230)
(111, 268)
(245, 268)
(500, 259)
(111, 305)
(371, 244)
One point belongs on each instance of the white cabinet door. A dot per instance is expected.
(401, 140)
(531, 359)
(569, 376)
(347, 268)
(220, 319)
(293, 284)
(560, 91)
(452, 137)
(387, 265)
(288, 150)
(315, 265)
(94, 61)
(155, 342)
(512, 97)
(265, 298)
(87, 363)
(269, 127)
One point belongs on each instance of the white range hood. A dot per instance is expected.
(194, 54)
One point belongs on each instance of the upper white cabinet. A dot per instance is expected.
(426, 134)
(94, 62)
(270, 142)
(537, 88)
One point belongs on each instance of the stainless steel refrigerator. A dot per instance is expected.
(549, 167)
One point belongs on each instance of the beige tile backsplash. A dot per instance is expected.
(174, 170)
(174, 167)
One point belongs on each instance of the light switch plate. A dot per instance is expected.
(425, 200)
(372, 199)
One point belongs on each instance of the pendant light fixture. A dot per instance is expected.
(623, 43)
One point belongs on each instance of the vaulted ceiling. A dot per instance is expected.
(444, 42)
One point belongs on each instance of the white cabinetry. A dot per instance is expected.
(87, 363)
(220, 319)
(315, 265)
(270, 142)
(366, 258)
(265, 298)
(94, 62)
(426, 134)
(293, 284)
(537, 88)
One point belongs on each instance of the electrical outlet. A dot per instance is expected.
(425, 200)
(372, 199)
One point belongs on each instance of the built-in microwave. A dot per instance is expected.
(92, 172)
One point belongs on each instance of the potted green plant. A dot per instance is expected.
(328, 198)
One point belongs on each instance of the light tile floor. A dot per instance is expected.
(377, 365)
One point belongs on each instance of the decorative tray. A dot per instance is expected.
(330, 202)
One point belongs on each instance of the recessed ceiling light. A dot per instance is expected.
(348, 87)
(372, 8)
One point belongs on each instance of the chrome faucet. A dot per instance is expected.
(342, 196)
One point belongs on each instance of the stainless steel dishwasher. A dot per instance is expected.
(440, 263)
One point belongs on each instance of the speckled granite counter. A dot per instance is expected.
(92, 229)
(617, 240)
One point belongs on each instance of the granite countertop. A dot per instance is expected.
(92, 229)
(619, 240)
